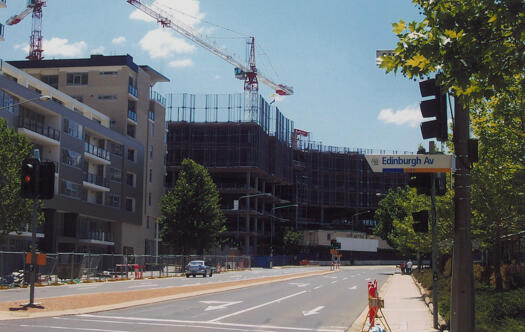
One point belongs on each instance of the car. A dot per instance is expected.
(198, 267)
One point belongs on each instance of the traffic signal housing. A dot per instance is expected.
(29, 178)
(436, 107)
(46, 180)
(334, 244)
(420, 224)
(422, 182)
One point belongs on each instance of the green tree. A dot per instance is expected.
(292, 241)
(192, 220)
(14, 210)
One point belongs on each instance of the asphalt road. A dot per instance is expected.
(328, 303)
(17, 294)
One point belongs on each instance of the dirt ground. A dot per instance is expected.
(76, 304)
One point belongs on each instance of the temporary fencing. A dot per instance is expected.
(78, 267)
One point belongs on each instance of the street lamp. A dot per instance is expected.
(42, 98)
(271, 228)
(236, 204)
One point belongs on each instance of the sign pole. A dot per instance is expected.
(32, 269)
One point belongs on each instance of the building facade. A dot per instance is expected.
(120, 93)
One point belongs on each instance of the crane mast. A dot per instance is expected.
(248, 73)
(35, 40)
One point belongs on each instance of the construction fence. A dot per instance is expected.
(78, 267)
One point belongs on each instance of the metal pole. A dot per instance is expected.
(434, 253)
(32, 269)
(462, 290)
(156, 242)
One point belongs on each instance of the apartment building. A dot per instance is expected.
(122, 94)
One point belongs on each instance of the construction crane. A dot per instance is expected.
(35, 41)
(247, 72)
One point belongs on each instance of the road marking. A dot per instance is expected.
(298, 284)
(256, 307)
(314, 311)
(152, 321)
(345, 278)
(318, 287)
(330, 277)
(367, 279)
(353, 288)
(221, 304)
(148, 285)
(333, 282)
(71, 328)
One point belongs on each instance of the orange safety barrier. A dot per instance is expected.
(375, 305)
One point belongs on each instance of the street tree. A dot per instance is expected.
(14, 210)
(192, 220)
(292, 241)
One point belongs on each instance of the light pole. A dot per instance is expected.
(271, 228)
(42, 98)
(236, 205)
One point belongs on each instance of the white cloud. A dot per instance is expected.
(62, 47)
(98, 50)
(119, 40)
(181, 63)
(184, 11)
(23, 46)
(409, 115)
(161, 43)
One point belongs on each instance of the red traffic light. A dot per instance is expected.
(27, 179)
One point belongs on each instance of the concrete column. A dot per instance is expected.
(322, 215)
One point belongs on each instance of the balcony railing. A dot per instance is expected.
(95, 179)
(96, 151)
(133, 91)
(132, 115)
(98, 236)
(154, 95)
(38, 128)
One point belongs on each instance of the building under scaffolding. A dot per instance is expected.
(260, 164)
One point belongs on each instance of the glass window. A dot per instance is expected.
(115, 148)
(107, 97)
(115, 174)
(7, 101)
(130, 204)
(131, 130)
(70, 189)
(151, 152)
(150, 175)
(71, 158)
(72, 128)
(152, 129)
(130, 179)
(149, 199)
(77, 79)
(50, 80)
(131, 155)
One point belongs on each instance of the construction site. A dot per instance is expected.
(270, 175)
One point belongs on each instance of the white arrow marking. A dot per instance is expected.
(367, 279)
(298, 284)
(353, 288)
(314, 311)
(220, 304)
(330, 277)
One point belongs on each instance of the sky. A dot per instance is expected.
(324, 49)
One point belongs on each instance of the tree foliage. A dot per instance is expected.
(14, 210)
(192, 220)
(292, 241)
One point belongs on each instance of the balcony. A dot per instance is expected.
(132, 91)
(96, 154)
(155, 96)
(104, 238)
(95, 182)
(38, 132)
(132, 115)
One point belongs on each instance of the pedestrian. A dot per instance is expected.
(402, 267)
(409, 266)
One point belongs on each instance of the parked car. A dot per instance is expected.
(198, 267)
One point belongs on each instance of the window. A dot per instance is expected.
(115, 148)
(107, 97)
(131, 155)
(151, 152)
(152, 129)
(7, 101)
(131, 130)
(150, 175)
(70, 189)
(149, 199)
(108, 73)
(77, 79)
(113, 200)
(147, 222)
(115, 174)
(71, 158)
(79, 98)
(72, 128)
(151, 115)
(50, 80)
(130, 204)
(130, 179)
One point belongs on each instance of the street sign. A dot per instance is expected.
(416, 163)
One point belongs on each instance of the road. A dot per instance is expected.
(327, 303)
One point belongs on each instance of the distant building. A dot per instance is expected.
(111, 156)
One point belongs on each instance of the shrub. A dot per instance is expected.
(513, 275)
(447, 268)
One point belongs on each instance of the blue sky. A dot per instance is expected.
(324, 49)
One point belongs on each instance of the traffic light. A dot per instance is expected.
(422, 182)
(334, 244)
(420, 224)
(46, 180)
(29, 177)
(441, 184)
(436, 107)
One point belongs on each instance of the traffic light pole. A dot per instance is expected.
(462, 290)
(434, 253)
(32, 269)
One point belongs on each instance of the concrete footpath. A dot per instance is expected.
(405, 310)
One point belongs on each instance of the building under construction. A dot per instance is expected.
(268, 173)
